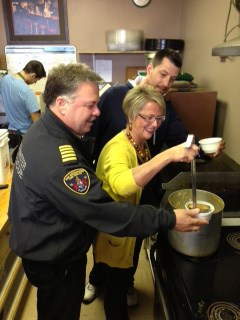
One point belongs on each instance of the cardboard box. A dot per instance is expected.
(133, 72)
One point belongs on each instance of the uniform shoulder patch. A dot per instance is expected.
(77, 181)
(68, 154)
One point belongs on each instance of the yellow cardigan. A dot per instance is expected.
(114, 168)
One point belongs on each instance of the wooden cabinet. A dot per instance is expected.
(12, 278)
(196, 109)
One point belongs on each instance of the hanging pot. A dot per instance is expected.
(206, 241)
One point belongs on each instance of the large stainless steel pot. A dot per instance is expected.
(206, 241)
(124, 40)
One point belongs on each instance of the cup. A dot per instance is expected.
(210, 145)
(206, 209)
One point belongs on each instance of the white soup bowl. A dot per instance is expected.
(210, 145)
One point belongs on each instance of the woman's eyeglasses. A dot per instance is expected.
(151, 119)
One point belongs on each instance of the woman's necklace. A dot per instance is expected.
(143, 156)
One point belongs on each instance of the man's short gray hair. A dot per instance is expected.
(64, 79)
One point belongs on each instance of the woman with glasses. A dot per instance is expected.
(125, 166)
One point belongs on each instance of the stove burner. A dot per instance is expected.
(234, 240)
(223, 311)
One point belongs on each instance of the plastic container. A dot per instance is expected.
(158, 44)
(4, 156)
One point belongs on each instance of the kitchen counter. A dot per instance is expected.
(4, 200)
(222, 163)
(4, 225)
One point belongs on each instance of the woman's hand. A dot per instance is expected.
(219, 150)
(180, 153)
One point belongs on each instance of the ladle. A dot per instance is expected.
(202, 205)
(194, 192)
(188, 143)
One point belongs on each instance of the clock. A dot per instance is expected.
(141, 3)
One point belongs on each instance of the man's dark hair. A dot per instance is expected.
(170, 54)
(36, 67)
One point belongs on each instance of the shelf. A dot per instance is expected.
(17, 298)
(13, 282)
(7, 286)
(114, 52)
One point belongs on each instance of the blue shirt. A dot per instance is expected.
(19, 102)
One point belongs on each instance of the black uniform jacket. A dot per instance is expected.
(57, 203)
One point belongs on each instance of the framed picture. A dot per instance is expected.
(36, 21)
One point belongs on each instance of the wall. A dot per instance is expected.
(203, 27)
(89, 19)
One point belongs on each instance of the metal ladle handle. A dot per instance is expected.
(194, 192)
(190, 140)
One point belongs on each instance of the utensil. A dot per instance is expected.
(193, 175)
(205, 208)
(190, 140)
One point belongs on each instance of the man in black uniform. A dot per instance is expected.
(57, 203)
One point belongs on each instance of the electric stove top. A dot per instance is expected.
(205, 288)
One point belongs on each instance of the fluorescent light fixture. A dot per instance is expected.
(228, 48)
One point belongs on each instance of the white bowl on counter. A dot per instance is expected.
(210, 145)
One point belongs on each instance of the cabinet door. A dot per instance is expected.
(196, 110)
